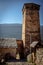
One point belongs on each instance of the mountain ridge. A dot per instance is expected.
(14, 30)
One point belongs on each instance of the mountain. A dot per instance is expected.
(14, 31)
(11, 30)
(41, 31)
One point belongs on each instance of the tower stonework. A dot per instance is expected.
(31, 24)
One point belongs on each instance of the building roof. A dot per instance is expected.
(31, 6)
(8, 42)
(33, 44)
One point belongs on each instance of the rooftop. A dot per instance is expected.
(31, 6)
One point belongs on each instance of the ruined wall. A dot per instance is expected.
(39, 56)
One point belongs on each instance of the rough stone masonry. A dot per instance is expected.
(31, 24)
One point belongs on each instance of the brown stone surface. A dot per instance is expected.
(4, 51)
(31, 24)
(20, 45)
(12, 50)
(39, 56)
(20, 48)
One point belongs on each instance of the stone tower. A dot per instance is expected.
(31, 24)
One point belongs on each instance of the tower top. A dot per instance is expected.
(31, 6)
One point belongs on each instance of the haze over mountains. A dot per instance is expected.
(41, 31)
(14, 31)
(11, 30)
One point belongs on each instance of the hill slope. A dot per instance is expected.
(14, 31)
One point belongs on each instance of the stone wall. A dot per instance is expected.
(31, 24)
(39, 56)
(12, 46)
(20, 48)
(4, 51)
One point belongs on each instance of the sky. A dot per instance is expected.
(11, 10)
